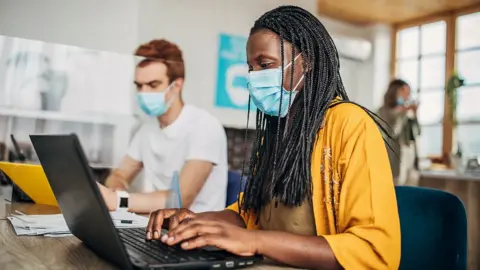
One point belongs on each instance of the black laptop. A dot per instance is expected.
(87, 216)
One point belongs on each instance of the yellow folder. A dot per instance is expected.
(32, 180)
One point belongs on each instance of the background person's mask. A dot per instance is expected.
(153, 103)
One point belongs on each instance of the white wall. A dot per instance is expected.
(381, 36)
(103, 25)
(345, 29)
(365, 82)
(194, 26)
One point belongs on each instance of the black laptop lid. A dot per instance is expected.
(71, 179)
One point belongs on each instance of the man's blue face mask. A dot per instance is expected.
(154, 103)
(265, 87)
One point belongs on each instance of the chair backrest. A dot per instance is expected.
(233, 186)
(434, 229)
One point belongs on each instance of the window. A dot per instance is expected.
(420, 61)
(429, 50)
(467, 63)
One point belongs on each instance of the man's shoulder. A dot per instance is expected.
(201, 119)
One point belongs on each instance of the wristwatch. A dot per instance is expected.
(122, 200)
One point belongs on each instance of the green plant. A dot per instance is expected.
(455, 82)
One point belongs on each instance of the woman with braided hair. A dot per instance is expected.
(319, 191)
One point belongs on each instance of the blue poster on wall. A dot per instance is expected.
(232, 73)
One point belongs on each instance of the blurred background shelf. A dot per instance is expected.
(105, 137)
(92, 118)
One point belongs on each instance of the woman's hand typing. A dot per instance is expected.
(198, 233)
(157, 219)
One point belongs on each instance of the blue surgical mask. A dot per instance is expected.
(153, 103)
(265, 87)
(400, 101)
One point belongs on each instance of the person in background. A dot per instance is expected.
(179, 138)
(319, 193)
(400, 113)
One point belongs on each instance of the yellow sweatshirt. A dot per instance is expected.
(354, 200)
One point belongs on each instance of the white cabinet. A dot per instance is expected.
(57, 89)
(104, 138)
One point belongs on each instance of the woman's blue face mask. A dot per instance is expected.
(265, 87)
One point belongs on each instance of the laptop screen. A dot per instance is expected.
(80, 201)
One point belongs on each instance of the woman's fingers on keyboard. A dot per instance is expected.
(155, 222)
(180, 216)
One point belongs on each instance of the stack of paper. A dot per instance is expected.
(55, 225)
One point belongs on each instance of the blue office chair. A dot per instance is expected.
(434, 229)
(233, 186)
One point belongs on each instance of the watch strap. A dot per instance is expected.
(122, 200)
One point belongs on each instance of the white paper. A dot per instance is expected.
(55, 225)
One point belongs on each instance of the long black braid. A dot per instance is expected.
(281, 157)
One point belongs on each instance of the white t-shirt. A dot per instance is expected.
(194, 135)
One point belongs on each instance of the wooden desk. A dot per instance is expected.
(38, 252)
(467, 188)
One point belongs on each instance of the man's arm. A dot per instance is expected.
(205, 151)
(192, 177)
(122, 177)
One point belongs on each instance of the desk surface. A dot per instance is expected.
(38, 252)
(449, 175)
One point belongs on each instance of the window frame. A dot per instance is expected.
(450, 18)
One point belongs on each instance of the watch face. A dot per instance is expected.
(123, 202)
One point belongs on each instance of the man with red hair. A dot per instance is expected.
(180, 138)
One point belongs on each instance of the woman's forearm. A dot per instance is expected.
(312, 252)
(225, 216)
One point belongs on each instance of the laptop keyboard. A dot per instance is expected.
(135, 238)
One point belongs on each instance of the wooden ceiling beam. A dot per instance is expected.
(393, 12)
